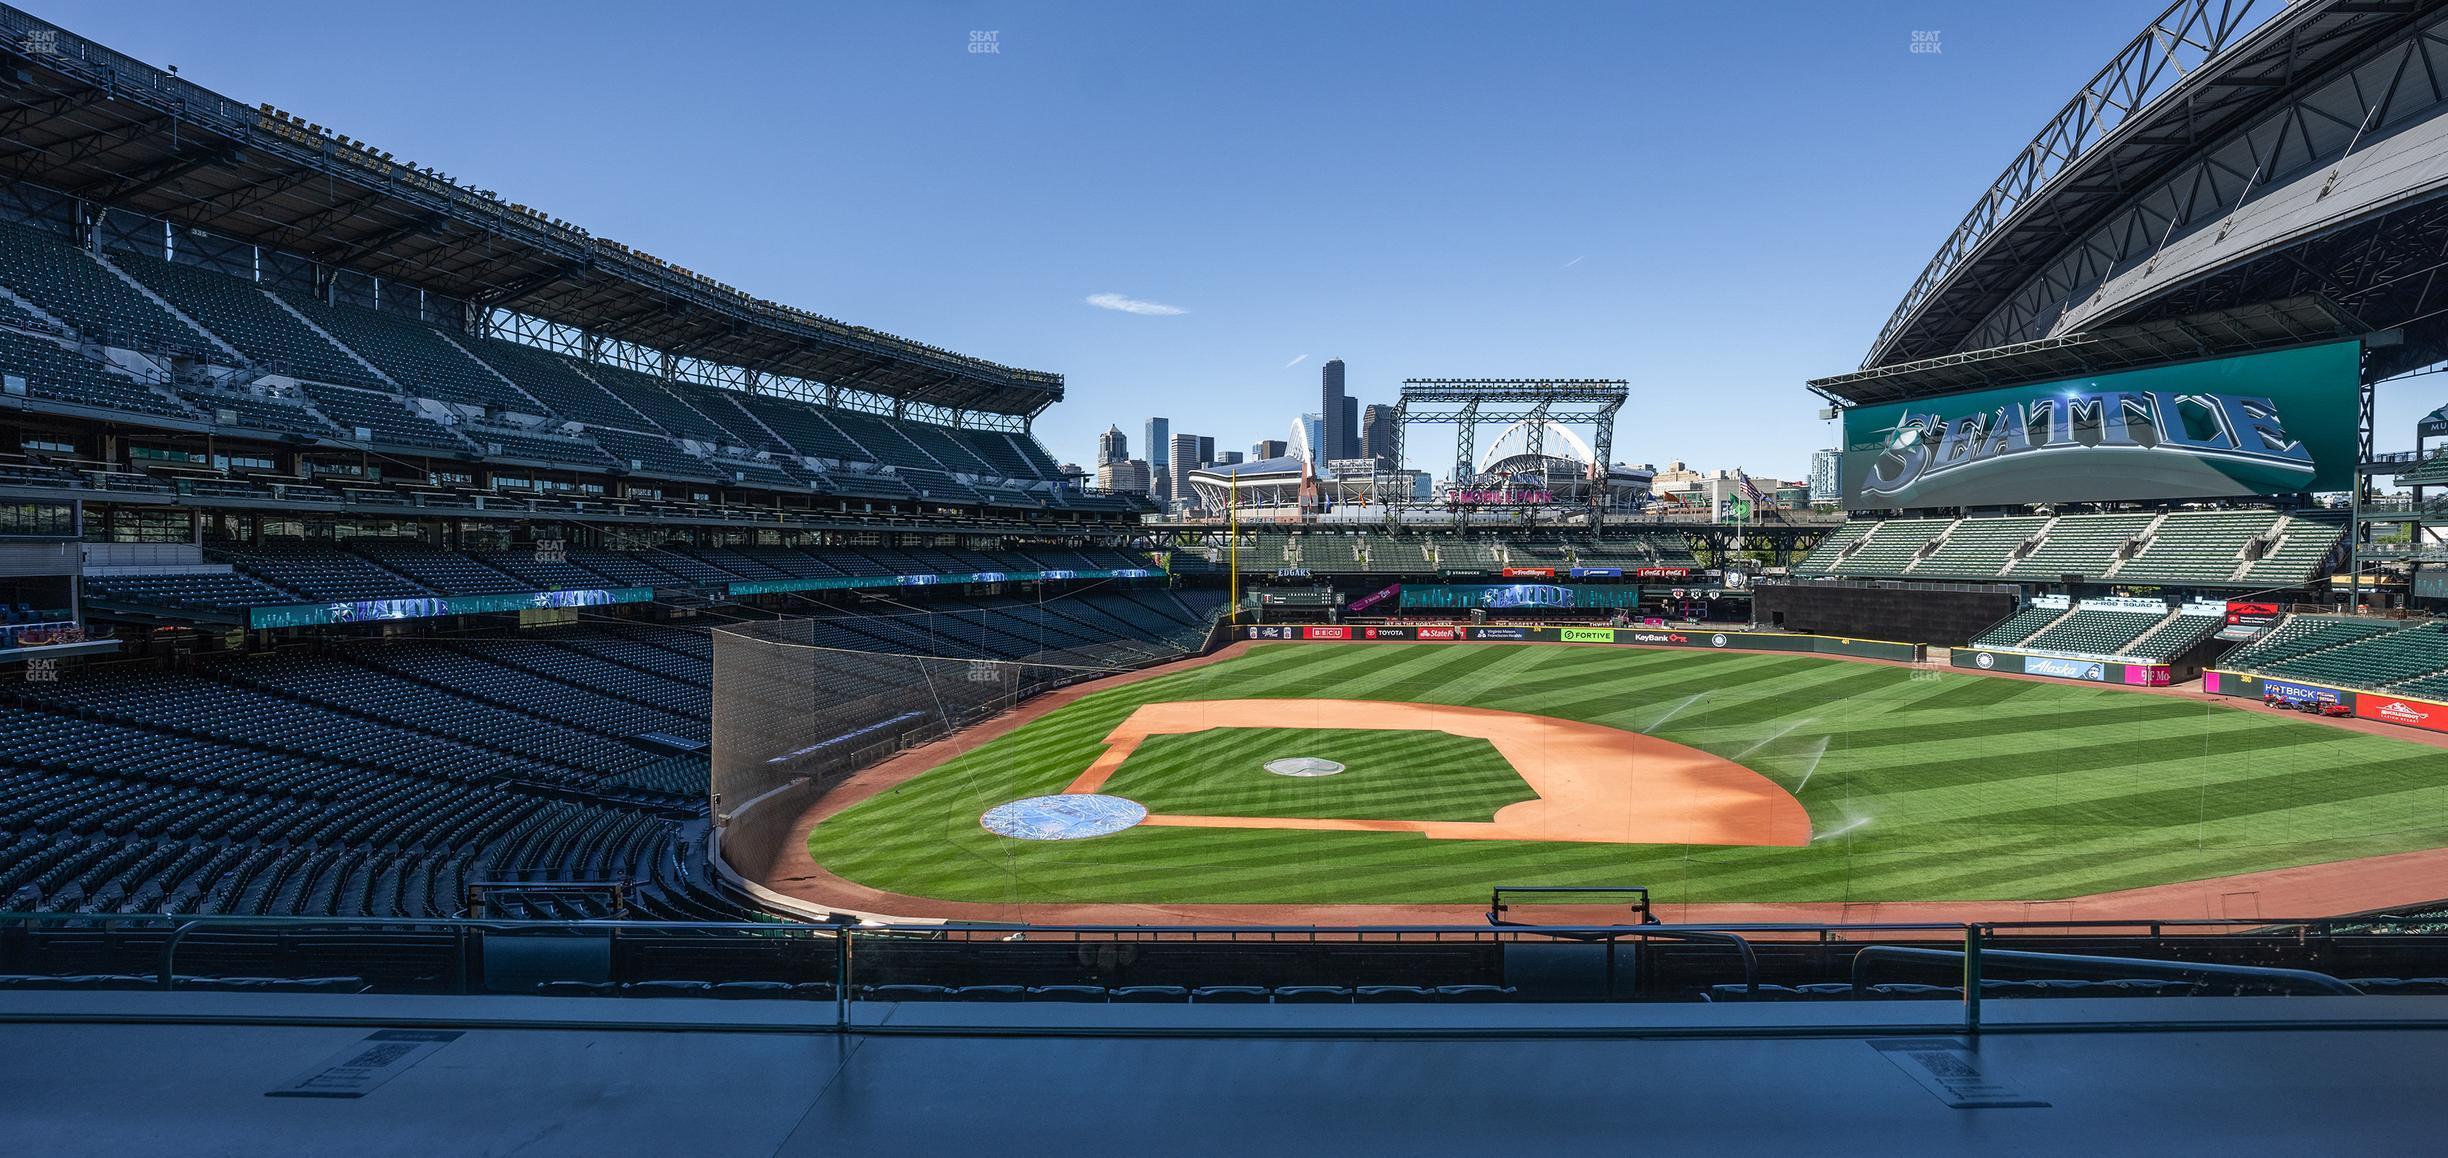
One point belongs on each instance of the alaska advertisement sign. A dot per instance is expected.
(2274, 423)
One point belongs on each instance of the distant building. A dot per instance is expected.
(1334, 412)
(1206, 451)
(1159, 442)
(1377, 435)
(1351, 427)
(1269, 448)
(1314, 427)
(1227, 458)
(1112, 446)
(1127, 476)
(1827, 476)
(1182, 460)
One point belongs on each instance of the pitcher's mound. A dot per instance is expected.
(1302, 766)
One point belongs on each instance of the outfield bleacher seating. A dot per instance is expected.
(2094, 632)
(2179, 634)
(1822, 560)
(2193, 547)
(1977, 548)
(2019, 627)
(1892, 547)
(2085, 545)
(2376, 659)
(2299, 635)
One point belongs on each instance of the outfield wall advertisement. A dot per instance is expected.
(2404, 711)
(2140, 675)
(2273, 423)
(1637, 636)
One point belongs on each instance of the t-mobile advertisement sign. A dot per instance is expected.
(1374, 598)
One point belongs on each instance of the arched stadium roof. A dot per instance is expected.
(99, 126)
(2205, 168)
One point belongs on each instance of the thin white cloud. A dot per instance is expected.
(1297, 359)
(1574, 262)
(1131, 305)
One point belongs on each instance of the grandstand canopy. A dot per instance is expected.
(2292, 322)
(2197, 74)
(111, 131)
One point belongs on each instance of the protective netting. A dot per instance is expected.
(792, 719)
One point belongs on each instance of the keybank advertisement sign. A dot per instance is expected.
(2273, 423)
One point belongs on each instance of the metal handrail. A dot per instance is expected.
(1871, 955)
(2148, 925)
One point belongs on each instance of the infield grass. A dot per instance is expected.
(1920, 785)
(1386, 776)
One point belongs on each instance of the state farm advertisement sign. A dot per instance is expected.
(2411, 713)
(1433, 633)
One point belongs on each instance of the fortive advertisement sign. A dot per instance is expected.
(2411, 713)
(1326, 633)
(1589, 635)
(2271, 423)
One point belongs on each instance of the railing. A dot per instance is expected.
(840, 948)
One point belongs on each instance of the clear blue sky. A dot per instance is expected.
(1714, 201)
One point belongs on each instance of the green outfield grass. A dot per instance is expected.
(1920, 785)
(1386, 776)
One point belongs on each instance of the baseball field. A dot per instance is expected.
(1708, 776)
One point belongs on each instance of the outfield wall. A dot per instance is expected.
(2404, 711)
(1634, 636)
(1993, 659)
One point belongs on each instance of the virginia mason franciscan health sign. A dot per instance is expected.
(2274, 423)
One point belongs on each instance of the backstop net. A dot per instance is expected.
(793, 719)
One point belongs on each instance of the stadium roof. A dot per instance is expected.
(2198, 74)
(2292, 322)
(94, 124)
(1283, 464)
